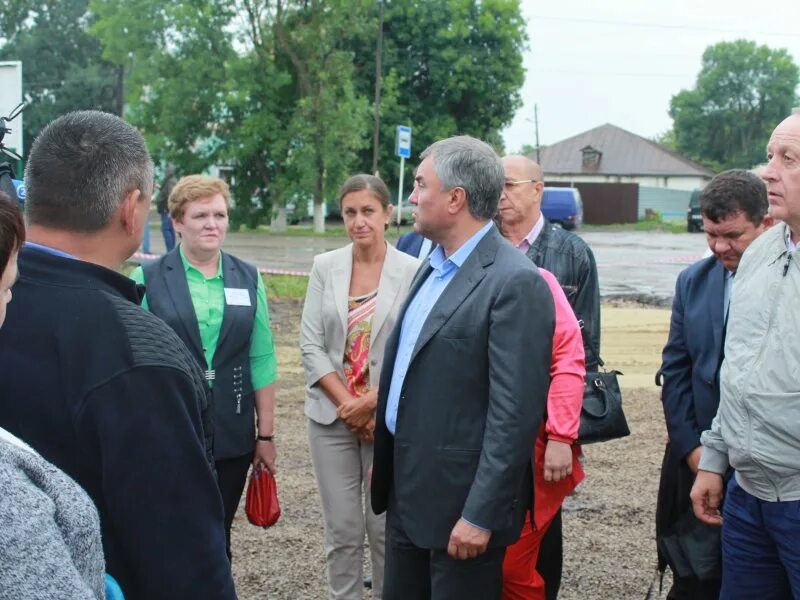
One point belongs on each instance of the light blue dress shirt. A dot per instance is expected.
(444, 269)
(424, 249)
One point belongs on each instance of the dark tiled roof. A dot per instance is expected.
(623, 153)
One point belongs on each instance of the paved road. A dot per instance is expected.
(636, 265)
(643, 265)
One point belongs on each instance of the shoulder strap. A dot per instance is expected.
(588, 344)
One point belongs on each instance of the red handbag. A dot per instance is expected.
(262, 506)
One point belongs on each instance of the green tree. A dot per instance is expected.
(264, 86)
(450, 67)
(63, 68)
(278, 90)
(329, 124)
(259, 97)
(742, 92)
(175, 56)
(667, 139)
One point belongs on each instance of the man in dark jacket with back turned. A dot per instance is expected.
(99, 387)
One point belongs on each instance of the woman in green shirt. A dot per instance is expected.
(217, 305)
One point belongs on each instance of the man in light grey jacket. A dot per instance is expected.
(757, 427)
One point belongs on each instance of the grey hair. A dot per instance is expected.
(473, 165)
(80, 169)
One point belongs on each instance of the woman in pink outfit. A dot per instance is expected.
(553, 479)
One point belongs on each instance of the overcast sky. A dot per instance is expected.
(620, 61)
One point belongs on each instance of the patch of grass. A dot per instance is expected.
(285, 286)
(335, 230)
(666, 226)
(612, 227)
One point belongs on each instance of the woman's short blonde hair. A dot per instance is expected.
(195, 187)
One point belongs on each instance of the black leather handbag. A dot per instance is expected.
(602, 417)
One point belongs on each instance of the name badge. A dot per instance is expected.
(237, 297)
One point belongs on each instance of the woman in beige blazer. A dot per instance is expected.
(354, 296)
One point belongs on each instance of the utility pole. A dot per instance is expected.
(378, 73)
(536, 123)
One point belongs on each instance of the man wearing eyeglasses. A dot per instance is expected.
(562, 253)
(570, 259)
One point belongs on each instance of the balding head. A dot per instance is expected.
(524, 166)
(782, 172)
(520, 202)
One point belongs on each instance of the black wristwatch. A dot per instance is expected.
(265, 438)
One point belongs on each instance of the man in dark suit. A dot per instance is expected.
(734, 207)
(463, 388)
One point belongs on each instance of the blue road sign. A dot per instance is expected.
(402, 146)
(20, 187)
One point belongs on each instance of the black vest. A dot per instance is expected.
(168, 298)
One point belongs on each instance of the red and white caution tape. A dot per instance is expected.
(141, 256)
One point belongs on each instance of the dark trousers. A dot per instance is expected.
(760, 547)
(691, 588)
(231, 477)
(146, 238)
(168, 231)
(413, 573)
(551, 557)
(686, 546)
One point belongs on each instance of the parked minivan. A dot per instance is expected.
(563, 206)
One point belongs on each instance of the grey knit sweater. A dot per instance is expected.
(50, 544)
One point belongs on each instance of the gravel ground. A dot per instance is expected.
(608, 523)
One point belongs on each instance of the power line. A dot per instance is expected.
(664, 26)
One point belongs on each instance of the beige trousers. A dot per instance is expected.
(341, 465)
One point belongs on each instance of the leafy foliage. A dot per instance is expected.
(176, 56)
(667, 139)
(450, 67)
(742, 92)
(63, 67)
(279, 92)
(329, 121)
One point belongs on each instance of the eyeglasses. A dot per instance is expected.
(510, 184)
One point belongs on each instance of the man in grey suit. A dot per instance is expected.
(463, 388)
